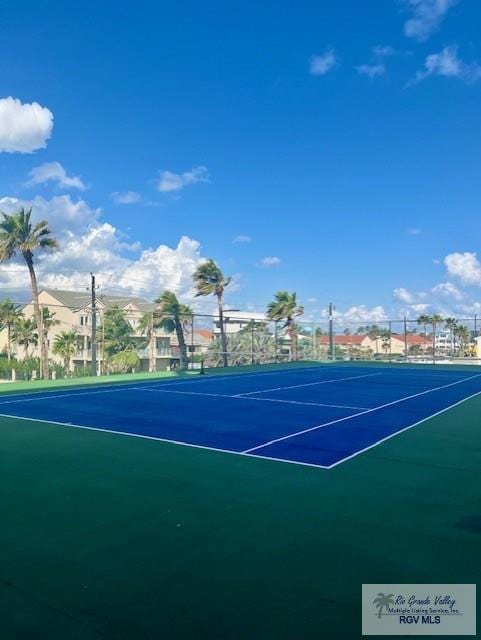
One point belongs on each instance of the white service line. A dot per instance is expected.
(66, 395)
(307, 384)
(415, 424)
(240, 397)
(356, 415)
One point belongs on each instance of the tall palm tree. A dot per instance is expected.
(18, 235)
(464, 335)
(9, 314)
(209, 280)
(285, 307)
(424, 320)
(174, 316)
(436, 320)
(24, 333)
(451, 324)
(148, 323)
(48, 321)
(65, 346)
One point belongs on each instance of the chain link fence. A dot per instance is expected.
(136, 338)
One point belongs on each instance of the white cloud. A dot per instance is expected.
(427, 16)
(371, 70)
(383, 50)
(447, 64)
(126, 197)
(270, 261)
(87, 243)
(24, 128)
(414, 231)
(448, 290)
(464, 266)
(322, 64)
(53, 172)
(360, 313)
(403, 295)
(171, 182)
(242, 239)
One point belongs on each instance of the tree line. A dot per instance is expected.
(19, 236)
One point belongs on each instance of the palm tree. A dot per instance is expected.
(424, 319)
(48, 321)
(147, 325)
(451, 324)
(464, 336)
(285, 307)
(24, 332)
(9, 314)
(436, 320)
(383, 601)
(65, 346)
(209, 280)
(174, 316)
(19, 236)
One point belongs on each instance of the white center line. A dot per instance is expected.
(240, 397)
(356, 415)
(308, 384)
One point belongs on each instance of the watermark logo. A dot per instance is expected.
(419, 609)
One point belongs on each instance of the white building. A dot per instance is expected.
(235, 320)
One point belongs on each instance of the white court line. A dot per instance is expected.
(144, 437)
(307, 384)
(240, 397)
(356, 415)
(67, 395)
(375, 444)
(115, 386)
(246, 453)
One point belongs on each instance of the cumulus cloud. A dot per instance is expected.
(447, 289)
(126, 197)
(464, 266)
(322, 64)
(24, 128)
(270, 261)
(241, 239)
(447, 64)
(88, 243)
(371, 70)
(171, 182)
(53, 172)
(359, 313)
(427, 15)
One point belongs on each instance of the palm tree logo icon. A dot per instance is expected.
(383, 601)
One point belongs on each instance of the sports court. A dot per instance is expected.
(319, 415)
(110, 536)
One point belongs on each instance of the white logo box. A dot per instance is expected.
(419, 609)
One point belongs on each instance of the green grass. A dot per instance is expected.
(105, 536)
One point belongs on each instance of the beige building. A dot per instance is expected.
(72, 311)
(395, 345)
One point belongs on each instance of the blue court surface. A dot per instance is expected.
(319, 415)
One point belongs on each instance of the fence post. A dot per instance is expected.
(275, 341)
(405, 338)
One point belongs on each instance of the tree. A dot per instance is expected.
(209, 280)
(48, 321)
(24, 333)
(19, 236)
(424, 320)
(284, 307)
(147, 326)
(451, 324)
(174, 316)
(464, 335)
(125, 361)
(436, 320)
(65, 345)
(9, 314)
(117, 332)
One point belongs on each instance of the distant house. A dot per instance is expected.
(197, 343)
(346, 342)
(382, 345)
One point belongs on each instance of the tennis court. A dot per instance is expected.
(319, 415)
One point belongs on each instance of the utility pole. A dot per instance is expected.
(94, 325)
(331, 333)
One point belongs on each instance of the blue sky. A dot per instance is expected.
(340, 139)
